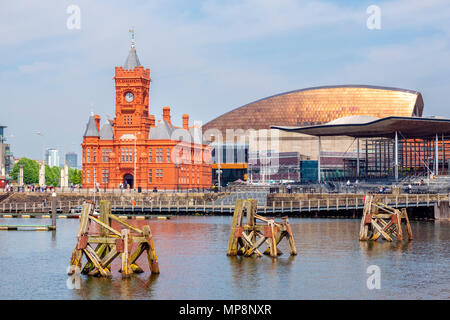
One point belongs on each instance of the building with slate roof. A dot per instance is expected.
(136, 150)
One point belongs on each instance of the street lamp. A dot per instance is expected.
(219, 171)
(43, 145)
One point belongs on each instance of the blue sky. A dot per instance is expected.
(206, 57)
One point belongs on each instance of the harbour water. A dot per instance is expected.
(332, 263)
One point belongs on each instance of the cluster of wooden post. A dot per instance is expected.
(245, 239)
(379, 219)
(110, 243)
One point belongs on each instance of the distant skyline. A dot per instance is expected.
(206, 57)
(52, 157)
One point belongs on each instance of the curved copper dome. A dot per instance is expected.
(318, 105)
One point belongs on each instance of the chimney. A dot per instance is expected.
(151, 118)
(166, 114)
(97, 122)
(186, 121)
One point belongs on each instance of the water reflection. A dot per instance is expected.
(371, 249)
(53, 242)
(134, 287)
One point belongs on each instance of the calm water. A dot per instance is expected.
(331, 264)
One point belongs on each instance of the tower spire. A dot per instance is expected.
(132, 59)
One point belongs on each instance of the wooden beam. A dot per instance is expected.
(92, 255)
(237, 221)
(105, 226)
(126, 270)
(152, 258)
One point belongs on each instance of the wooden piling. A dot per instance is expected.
(245, 239)
(235, 227)
(54, 210)
(380, 220)
(110, 243)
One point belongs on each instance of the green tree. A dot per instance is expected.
(75, 176)
(52, 175)
(30, 171)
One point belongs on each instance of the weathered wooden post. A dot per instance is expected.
(54, 210)
(235, 228)
(126, 268)
(151, 253)
(290, 236)
(245, 239)
(105, 211)
(378, 219)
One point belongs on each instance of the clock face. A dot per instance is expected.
(129, 96)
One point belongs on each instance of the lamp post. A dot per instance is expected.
(219, 170)
(135, 158)
(43, 145)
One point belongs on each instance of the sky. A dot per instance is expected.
(206, 57)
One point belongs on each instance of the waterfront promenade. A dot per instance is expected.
(304, 204)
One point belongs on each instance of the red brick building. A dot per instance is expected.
(134, 149)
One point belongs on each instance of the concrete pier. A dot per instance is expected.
(442, 211)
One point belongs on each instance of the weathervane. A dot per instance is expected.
(132, 37)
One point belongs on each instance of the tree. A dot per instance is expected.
(52, 175)
(75, 176)
(30, 171)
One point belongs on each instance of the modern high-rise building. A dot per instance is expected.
(6, 157)
(52, 157)
(72, 159)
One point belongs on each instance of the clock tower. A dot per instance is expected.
(132, 83)
(133, 150)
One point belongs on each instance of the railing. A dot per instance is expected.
(319, 203)
(91, 191)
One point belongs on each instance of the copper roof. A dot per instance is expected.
(312, 106)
